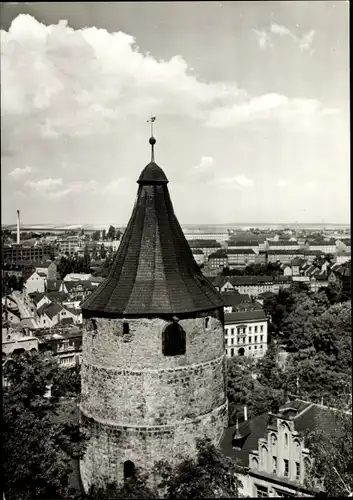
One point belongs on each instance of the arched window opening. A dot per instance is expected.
(241, 351)
(285, 439)
(174, 340)
(255, 463)
(264, 457)
(126, 328)
(129, 469)
(94, 324)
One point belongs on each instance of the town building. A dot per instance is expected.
(69, 245)
(48, 269)
(218, 260)
(155, 323)
(284, 256)
(35, 283)
(64, 344)
(198, 256)
(244, 245)
(207, 246)
(28, 252)
(252, 285)
(215, 234)
(240, 257)
(272, 451)
(245, 333)
(342, 257)
(15, 340)
(324, 246)
(283, 245)
(21, 269)
(235, 301)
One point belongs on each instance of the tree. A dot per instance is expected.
(209, 475)
(96, 236)
(37, 451)
(103, 251)
(322, 367)
(104, 234)
(133, 487)
(111, 233)
(247, 386)
(86, 261)
(332, 457)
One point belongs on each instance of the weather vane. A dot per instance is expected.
(152, 139)
(151, 120)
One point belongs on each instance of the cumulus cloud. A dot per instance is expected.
(20, 172)
(44, 185)
(83, 82)
(271, 107)
(264, 38)
(205, 163)
(94, 77)
(75, 187)
(236, 182)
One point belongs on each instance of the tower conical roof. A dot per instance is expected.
(154, 272)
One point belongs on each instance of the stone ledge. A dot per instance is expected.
(192, 367)
(155, 428)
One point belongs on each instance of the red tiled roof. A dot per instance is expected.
(154, 272)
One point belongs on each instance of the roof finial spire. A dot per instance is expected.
(152, 139)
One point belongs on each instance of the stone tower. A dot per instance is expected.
(153, 369)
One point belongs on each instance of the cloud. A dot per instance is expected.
(265, 38)
(44, 185)
(83, 82)
(20, 172)
(243, 181)
(205, 163)
(236, 182)
(282, 183)
(300, 112)
(75, 187)
(79, 82)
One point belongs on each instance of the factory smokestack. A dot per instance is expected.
(18, 227)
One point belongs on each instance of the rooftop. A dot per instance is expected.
(154, 272)
(243, 316)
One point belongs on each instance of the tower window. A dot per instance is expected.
(174, 340)
(207, 322)
(126, 328)
(129, 469)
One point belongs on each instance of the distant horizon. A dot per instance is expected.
(64, 225)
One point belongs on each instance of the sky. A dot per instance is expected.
(251, 103)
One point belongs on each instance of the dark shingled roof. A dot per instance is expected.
(154, 272)
(245, 316)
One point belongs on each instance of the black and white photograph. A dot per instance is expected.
(175, 250)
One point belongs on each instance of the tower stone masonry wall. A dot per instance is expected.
(142, 406)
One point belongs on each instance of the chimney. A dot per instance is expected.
(245, 413)
(18, 227)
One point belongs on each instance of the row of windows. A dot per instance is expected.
(274, 468)
(243, 329)
(249, 347)
(231, 340)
